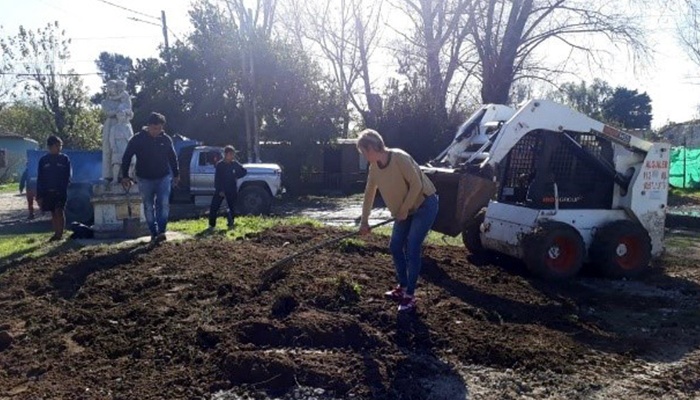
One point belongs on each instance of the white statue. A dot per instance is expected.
(116, 130)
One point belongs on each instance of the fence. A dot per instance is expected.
(685, 168)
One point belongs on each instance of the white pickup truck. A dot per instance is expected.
(256, 190)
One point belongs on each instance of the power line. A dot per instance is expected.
(24, 74)
(145, 22)
(112, 37)
(128, 9)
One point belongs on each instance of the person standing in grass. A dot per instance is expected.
(156, 172)
(228, 171)
(28, 185)
(412, 199)
(52, 184)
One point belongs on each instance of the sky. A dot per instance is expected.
(670, 79)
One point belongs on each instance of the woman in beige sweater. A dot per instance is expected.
(412, 200)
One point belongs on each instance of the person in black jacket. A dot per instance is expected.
(156, 171)
(228, 171)
(52, 182)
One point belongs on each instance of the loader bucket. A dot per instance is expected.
(462, 195)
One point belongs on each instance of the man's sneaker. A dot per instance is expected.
(210, 229)
(55, 238)
(230, 227)
(407, 304)
(161, 237)
(395, 294)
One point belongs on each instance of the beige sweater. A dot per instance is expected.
(402, 184)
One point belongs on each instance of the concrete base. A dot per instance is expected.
(111, 204)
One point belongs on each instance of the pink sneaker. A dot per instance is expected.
(395, 295)
(407, 303)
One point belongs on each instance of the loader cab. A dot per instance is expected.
(545, 163)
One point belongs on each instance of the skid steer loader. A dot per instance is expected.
(554, 188)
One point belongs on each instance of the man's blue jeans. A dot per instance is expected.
(407, 239)
(156, 202)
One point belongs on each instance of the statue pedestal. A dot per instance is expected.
(111, 209)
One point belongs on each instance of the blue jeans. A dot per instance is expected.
(156, 202)
(407, 239)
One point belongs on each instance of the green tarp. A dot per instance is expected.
(685, 168)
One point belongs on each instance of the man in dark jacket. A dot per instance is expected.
(228, 171)
(52, 182)
(156, 167)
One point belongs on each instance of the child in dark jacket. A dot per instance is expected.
(228, 171)
(52, 184)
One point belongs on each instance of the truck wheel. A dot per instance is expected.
(254, 200)
(621, 249)
(471, 235)
(554, 251)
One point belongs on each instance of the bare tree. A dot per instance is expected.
(39, 57)
(6, 77)
(254, 24)
(436, 43)
(688, 28)
(346, 33)
(506, 34)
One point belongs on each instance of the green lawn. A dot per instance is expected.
(32, 245)
(17, 246)
(9, 188)
(245, 225)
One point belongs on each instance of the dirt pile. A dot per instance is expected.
(191, 319)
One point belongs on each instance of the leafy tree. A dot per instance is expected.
(114, 66)
(585, 98)
(40, 56)
(294, 100)
(154, 93)
(628, 109)
(26, 119)
(619, 106)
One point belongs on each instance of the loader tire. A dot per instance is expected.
(471, 235)
(621, 249)
(554, 251)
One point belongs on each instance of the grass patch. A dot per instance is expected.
(681, 242)
(245, 225)
(434, 238)
(31, 245)
(9, 187)
(681, 197)
(351, 243)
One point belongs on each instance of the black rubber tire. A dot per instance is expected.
(254, 200)
(554, 251)
(621, 249)
(471, 235)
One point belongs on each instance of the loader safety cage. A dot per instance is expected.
(542, 158)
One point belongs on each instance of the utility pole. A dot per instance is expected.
(165, 29)
(164, 25)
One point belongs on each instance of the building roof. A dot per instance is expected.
(11, 136)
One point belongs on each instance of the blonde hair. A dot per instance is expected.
(370, 139)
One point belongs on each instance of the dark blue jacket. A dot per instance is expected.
(53, 174)
(155, 156)
(226, 177)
